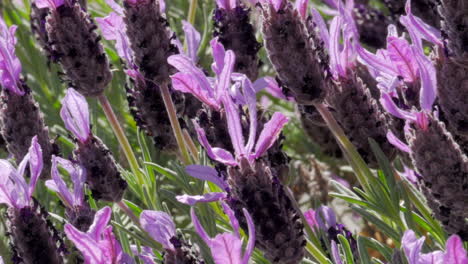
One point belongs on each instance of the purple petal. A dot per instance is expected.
(199, 228)
(375, 62)
(270, 133)
(58, 185)
(218, 55)
(271, 86)
(455, 253)
(335, 30)
(159, 226)
(7, 187)
(226, 249)
(410, 175)
(87, 246)
(54, 4)
(251, 244)
(226, 4)
(418, 29)
(75, 114)
(205, 198)
(192, 38)
(22, 188)
(35, 164)
(400, 53)
(335, 253)
(146, 255)
(217, 154)
(10, 65)
(101, 219)
(207, 174)
(188, 83)
(428, 75)
(234, 126)
(224, 78)
(232, 218)
(251, 98)
(412, 246)
(310, 217)
(322, 26)
(396, 142)
(277, 4)
(325, 217)
(301, 7)
(390, 106)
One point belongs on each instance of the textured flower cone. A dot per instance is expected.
(452, 91)
(80, 217)
(77, 47)
(293, 53)
(34, 238)
(372, 25)
(21, 120)
(424, 9)
(214, 124)
(103, 176)
(364, 74)
(38, 28)
(318, 132)
(454, 14)
(148, 109)
(150, 38)
(444, 169)
(184, 253)
(236, 33)
(360, 116)
(279, 231)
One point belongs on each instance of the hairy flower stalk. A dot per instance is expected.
(34, 239)
(20, 116)
(78, 211)
(445, 173)
(75, 44)
(287, 42)
(236, 33)
(102, 175)
(162, 229)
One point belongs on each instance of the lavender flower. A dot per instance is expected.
(288, 42)
(454, 253)
(236, 33)
(161, 228)
(76, 46)
(20, 116)
(78, 212)
(349, 97)
(99, 244)
(103, 176)
(227, 247)
(34, 238)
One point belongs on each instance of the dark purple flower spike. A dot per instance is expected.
(78, 211)
(236, 33)
(20, 115)
(227, 247)
(34, 238)
(161, 228)
(75, 44)
(102, 175)
(98, 245)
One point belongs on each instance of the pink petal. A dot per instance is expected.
(400, 53)
(35, 164)
(199, 228)
(224, 78)
(375, 62)
(207, 174)
(309, 215)
(232, 218)
(101, 219)
(234, 126)
(54, 4)
(75, 114)
(270, 133)
(59, 185)
(396, 142)
(251, 243)
(159, 226)
(226, 249)
(390, 106)
(335, 30)
(301, 7)
(217, 154)
(116, 7)
(251, 100)
(428, 77)
(322, 26)
(206, 198)
(412, 246)
(192, 38)
(188, 83)
(7, 187)
(87, 246)
(455, 253)
(218, 55)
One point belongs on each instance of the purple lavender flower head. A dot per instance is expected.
(454, 253)
(227, 247)
(99, 244)
(14, 190)
(10, 65)
(57, 184)
(75, 114)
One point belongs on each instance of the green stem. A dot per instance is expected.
(123, 206)
(192, 11)
(120, 134)
(171, 111)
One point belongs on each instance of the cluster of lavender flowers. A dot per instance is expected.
(409, 102)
